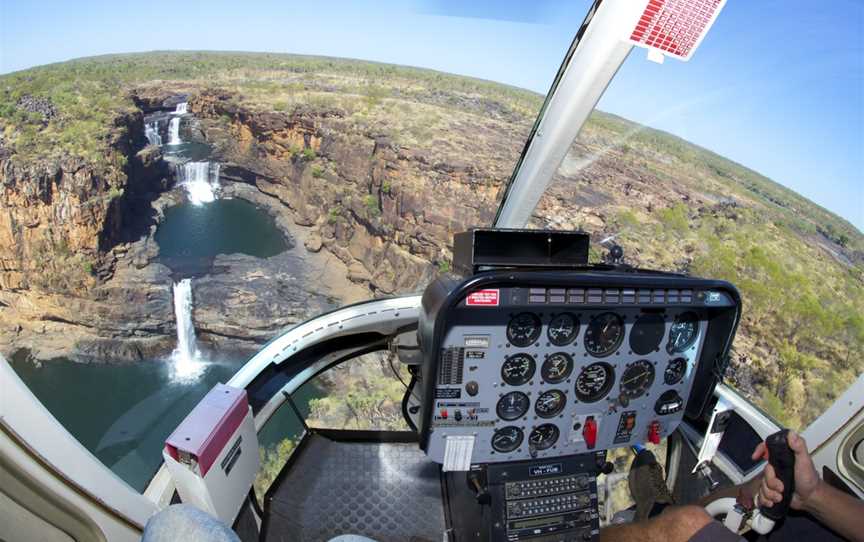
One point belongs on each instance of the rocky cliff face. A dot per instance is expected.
(66, 227)
(387, 211)
(59, 217)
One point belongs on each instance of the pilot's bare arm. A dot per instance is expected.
(833, 508)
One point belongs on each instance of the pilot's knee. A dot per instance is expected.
(689, 519)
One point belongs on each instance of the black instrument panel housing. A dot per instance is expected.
(447, 294)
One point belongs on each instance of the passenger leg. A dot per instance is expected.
(187, 523)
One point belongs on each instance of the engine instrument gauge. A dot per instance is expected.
(543, 436)
(669, 402)
(675, 371)
(683, 332)
(557, 367)
(594, 382)
(523, 329)
(637, 378)
(604, 334)
(550, 403)
(512, 406)
(647, 333)
(517, 369)
(563, 329)
(507, 439)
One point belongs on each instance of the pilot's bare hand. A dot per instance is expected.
(806, 479)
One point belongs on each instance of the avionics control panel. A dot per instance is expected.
(561, 363)
(545, 501)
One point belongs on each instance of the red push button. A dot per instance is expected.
(444, 413)
(654, 432)
(589, 432)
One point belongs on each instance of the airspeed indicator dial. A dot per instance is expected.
(524, 329)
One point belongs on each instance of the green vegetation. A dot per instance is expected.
(317, 171)
(334, 215)
(361, 394)
(309, 154)
(443, 266)
(371, 203)
(273, 458)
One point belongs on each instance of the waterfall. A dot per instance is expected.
(151, 131)
(181, 108)
(187, 359)
(201, 181)
(174, 131)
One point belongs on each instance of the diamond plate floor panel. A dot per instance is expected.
(385, 491)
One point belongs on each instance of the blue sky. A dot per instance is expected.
(778, 85)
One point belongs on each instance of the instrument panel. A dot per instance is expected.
(532, 379)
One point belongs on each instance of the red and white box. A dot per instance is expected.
(213, 454)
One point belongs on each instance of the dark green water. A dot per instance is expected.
(224, 226)
(123, 413)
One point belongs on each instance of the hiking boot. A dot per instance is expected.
(648, 486)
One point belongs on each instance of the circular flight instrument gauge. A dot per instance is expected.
(594, 382)
(563, 329)
(507, 439)
(550, 403)
(543, 436)
(517, 369)
(523, 329)
(604, 334)
(683, 332)
(557, 367)
(637, 378)
(669, 402)
(646, 334)
(675, 371)
(512, 406)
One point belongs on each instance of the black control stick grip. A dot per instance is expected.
(782, 459)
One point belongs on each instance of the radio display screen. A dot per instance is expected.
(535, 523)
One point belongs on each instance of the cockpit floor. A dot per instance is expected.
(385, 491)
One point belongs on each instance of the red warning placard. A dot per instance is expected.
(483, 298)
(675, 27)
